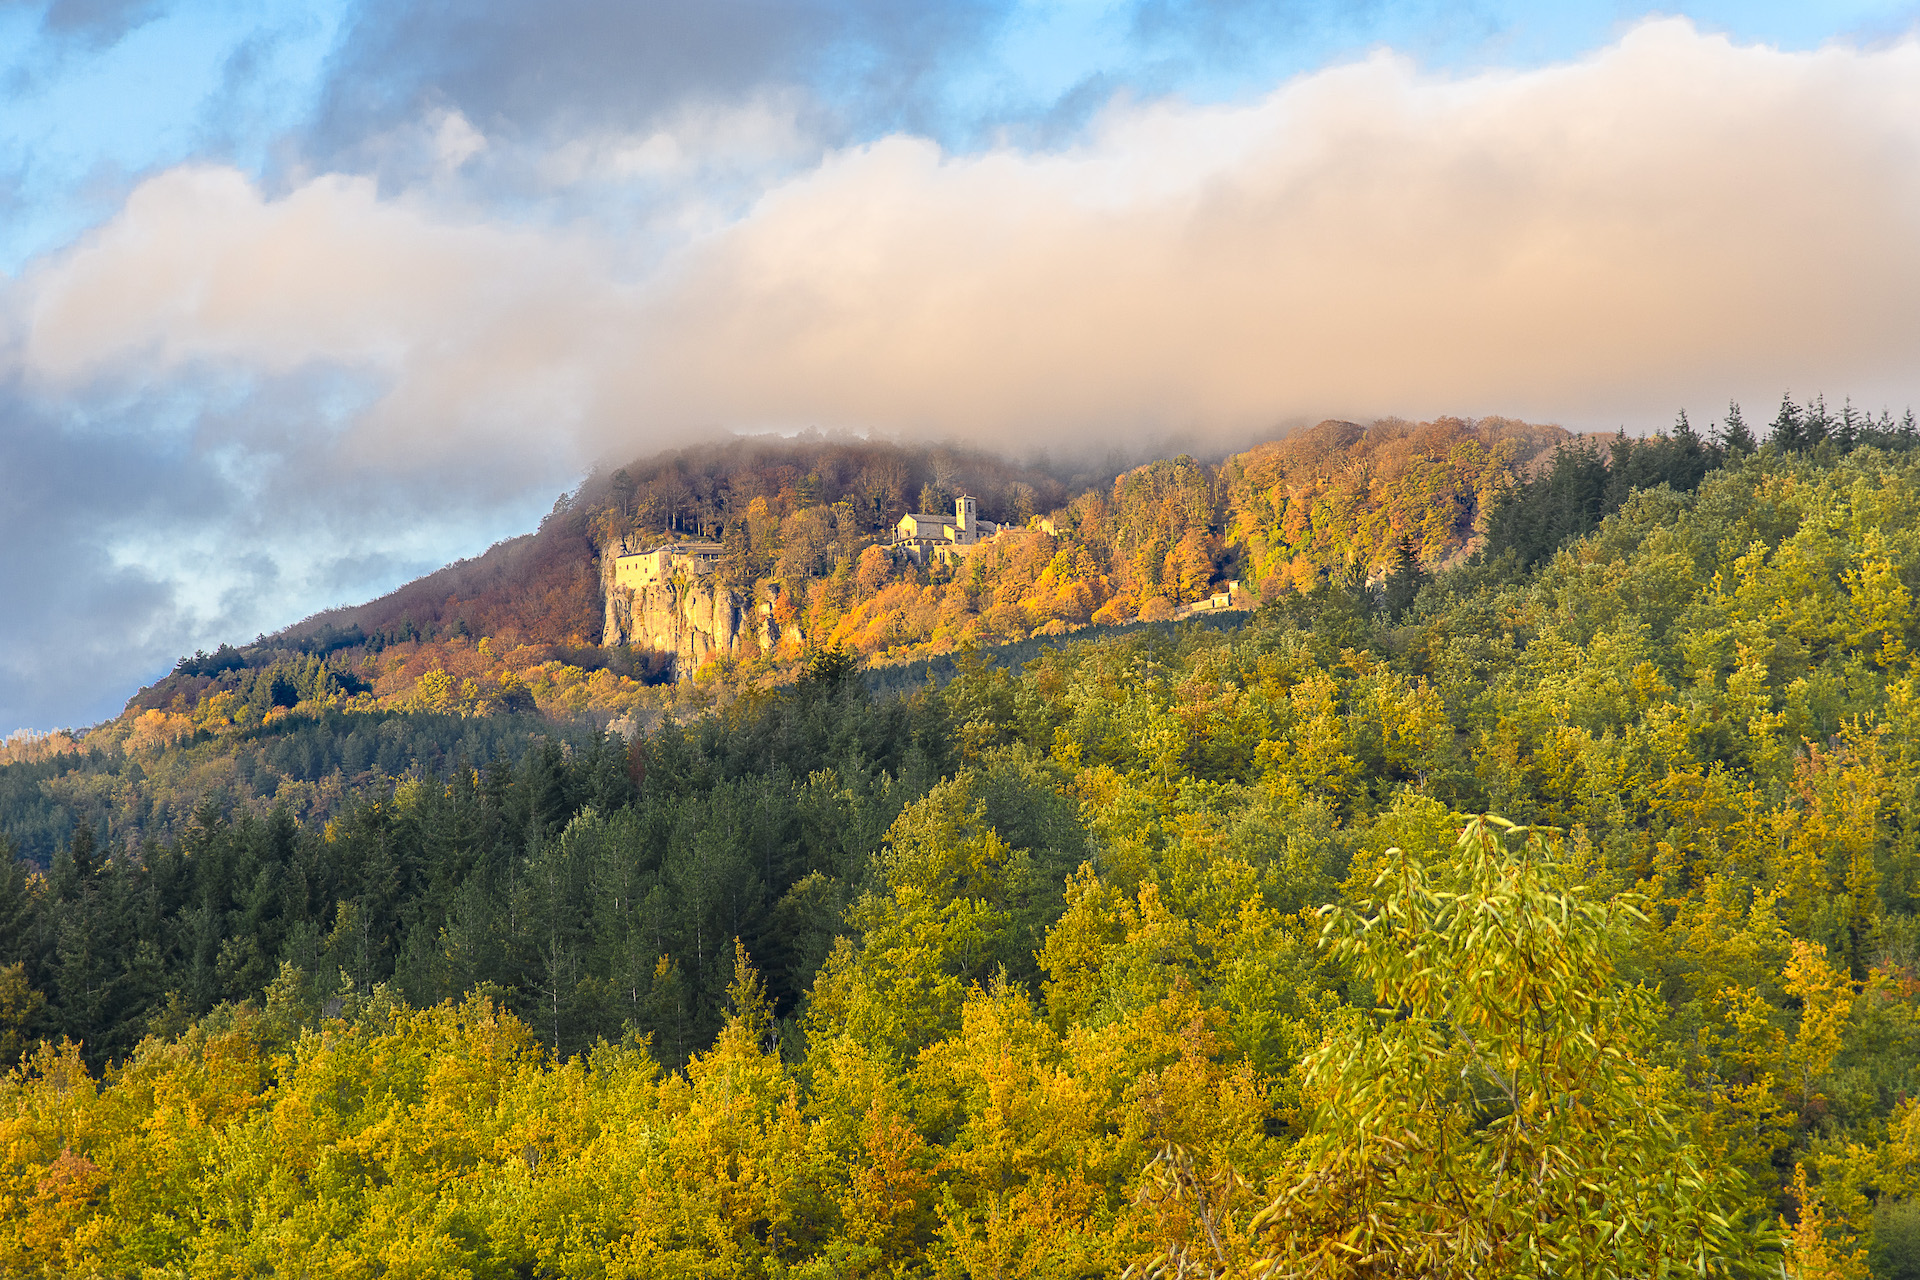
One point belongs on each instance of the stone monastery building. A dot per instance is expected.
(919, 535)
(916, 537)
(660, 564)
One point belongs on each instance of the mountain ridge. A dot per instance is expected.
(505, 635)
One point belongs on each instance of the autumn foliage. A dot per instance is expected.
(1558, 916)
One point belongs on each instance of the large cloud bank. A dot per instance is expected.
(1675, 218)
(1669, 222)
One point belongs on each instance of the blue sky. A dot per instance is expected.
(93, 96)
(299, 300)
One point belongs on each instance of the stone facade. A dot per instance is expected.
(647, 568)
(1231, 597)
(666, 598)
(920, 536)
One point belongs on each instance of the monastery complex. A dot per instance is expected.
(917, 536)
(649, 568)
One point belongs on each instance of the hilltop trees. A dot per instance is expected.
(1581, 486)
(1342, 498)
(795, 520)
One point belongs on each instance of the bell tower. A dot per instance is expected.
(965, 519)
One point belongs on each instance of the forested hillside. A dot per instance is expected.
(544, 588)
(803, 523)
(1179, 949)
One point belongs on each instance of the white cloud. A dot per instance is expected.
(764, 137)
(1673, 219)
(1670, 221)
(456, 141)
(474, 330)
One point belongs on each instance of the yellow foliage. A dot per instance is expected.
(1817, 1248)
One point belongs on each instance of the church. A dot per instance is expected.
(920, 535)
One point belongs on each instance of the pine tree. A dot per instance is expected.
(1687, 459)
(1403, 582)
(1734, 436)
(17, 906)
(1846, 432)
(1817, 424)
(1789, 430)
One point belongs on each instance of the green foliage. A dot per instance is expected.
(1895, 1252)
(1499, 1111)
(314, 767)
(1161, 943)
(1532, 520)
(589, 902)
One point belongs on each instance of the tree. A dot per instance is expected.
(1734, 435)
(873, 571)
(805, 537)
(1498, 1111)
(621, 489)
(1789, 429)
(935, 498)
(1404, 579)
(20, 1008)
(1846, 431)
(1816, 423)
(736, 557)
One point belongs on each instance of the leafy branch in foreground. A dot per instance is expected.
(1500, 1111)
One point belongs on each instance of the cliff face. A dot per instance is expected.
(690, 616)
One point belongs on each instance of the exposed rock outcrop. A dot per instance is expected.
(689, 615)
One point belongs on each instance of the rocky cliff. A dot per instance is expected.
(691, 616)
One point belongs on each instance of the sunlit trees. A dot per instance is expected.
(1163, 945)
(1500, 1109)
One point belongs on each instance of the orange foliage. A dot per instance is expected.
(1341, 495)
(28, 746)
(803, 525)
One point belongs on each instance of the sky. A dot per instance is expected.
(302, 299)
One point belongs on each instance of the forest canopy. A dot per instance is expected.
(1545, 910)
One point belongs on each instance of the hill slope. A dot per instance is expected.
(1025, 969)
(511, 634)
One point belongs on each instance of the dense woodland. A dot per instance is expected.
(1187, 948)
